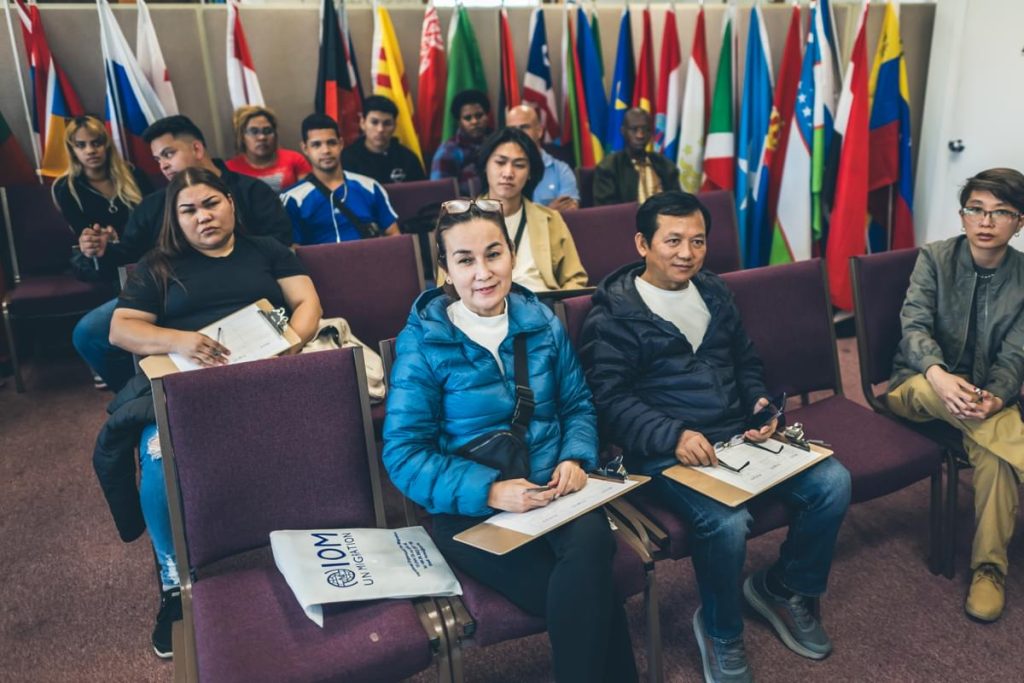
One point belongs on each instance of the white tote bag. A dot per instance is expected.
(323, 566)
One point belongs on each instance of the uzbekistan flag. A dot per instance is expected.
(670, 84)
(892, 192)
(54, 101)
(131, 103)
(538, 88)
(622, 84)
(243, 83)
(389, 79)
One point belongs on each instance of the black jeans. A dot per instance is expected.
(565, 577)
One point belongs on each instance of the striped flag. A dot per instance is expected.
(720, 146)
(432, 81)
(54, 101)
(824, 154)
(131, 103)
(577, 127)
(670, 85)
(593, 85)
(151, 59)
(243, 84)
(792, 239)
(773, 246)
(338, 92)
(465, 67)
(388, 76)
(847, 225)
(643, 90)
(891, 200)
(755, 120)
(622, 84)
(508, 92)
(538, 88)
(696, 106)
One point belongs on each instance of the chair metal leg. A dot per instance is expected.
(936, 548)
(19, 383)
(455, 630)
(431, 619)
(655, 665)
(952, 492)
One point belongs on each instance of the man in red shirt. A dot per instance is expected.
(259, 156)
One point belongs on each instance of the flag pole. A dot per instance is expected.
(21, 88)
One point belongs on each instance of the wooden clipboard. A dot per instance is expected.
(500, 540)
(727, 493)
(160, 364)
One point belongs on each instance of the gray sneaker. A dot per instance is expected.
(794, 619)
(725, 661)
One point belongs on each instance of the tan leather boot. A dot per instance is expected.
(987, 595)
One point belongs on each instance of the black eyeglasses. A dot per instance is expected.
(456, 206)
(266, 130)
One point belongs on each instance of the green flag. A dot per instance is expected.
(465, 67)
(595, 30)
(720, 147)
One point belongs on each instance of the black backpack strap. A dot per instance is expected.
(364, 229)
(524, 394)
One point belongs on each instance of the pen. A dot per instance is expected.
(216, 352)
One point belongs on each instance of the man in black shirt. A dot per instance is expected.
(176, 143)
(376, 154)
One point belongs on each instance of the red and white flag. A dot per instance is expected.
(847, 235)
(670, 85)
(538, 88)
(696, 107)
(151, 59)
(243, 83)
(643, 90)
(433, 80)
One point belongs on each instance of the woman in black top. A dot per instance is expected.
(201, 270)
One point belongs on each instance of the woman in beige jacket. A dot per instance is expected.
(546, 257)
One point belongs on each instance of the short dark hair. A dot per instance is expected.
(1005, 183)
(381, 104)
(500, 137)
(469, 97)
(176, 125)
(319, 122)
(671, 203)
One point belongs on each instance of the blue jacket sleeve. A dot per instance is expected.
(575, 405)
(440, 482)
(384, 214)
(291, 207)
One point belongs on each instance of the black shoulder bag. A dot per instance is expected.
(505, 449)
(365, 230)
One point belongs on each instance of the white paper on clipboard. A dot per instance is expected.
(246, 333)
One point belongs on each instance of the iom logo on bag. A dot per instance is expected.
(341, 560)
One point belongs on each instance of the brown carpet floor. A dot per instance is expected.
(77, 604)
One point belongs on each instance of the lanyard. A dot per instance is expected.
(522, 228)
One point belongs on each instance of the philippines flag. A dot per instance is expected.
(622, 84)
(670, 78)
(151, 59)
(54, 101)
(537, 86)
(243, 83)
(131, 103)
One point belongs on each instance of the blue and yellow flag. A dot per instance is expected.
(622, 85)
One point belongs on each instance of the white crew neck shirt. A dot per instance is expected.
(684, 308)
(525, 273)
(487, 331)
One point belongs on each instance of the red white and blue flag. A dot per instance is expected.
(131, 102)
(537, 86)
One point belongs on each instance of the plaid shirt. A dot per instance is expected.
(456, 158)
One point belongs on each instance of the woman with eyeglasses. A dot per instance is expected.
(259, 155)
(203, 268)
(99, 189)
(453, 445)
(546, 257)
(961, 360)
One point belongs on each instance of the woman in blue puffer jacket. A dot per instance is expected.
(453, 381)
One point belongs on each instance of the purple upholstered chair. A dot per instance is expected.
(483, 617)
(585, 183)
(41, 243)
(408, 198)
(278, 444)
(604, 237)
(880, 283)
(371, 283)
(724, 241)
(786, 312)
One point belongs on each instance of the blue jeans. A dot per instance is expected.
(91, 338)
(153, 496)
(818, 498)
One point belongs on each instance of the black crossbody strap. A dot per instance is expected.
(364, 229)
(521, 229)
(524, 394)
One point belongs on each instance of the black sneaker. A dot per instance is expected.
(170, 612)
(725, 661)
(794, 619)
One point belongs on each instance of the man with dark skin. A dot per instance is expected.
(634, 174)
(457, 157)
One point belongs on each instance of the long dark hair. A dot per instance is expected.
(171, 244)
(529, 148)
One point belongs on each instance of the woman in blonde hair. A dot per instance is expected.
(258, 153)
(99, 190)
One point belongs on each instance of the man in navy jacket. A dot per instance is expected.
(673, 371)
